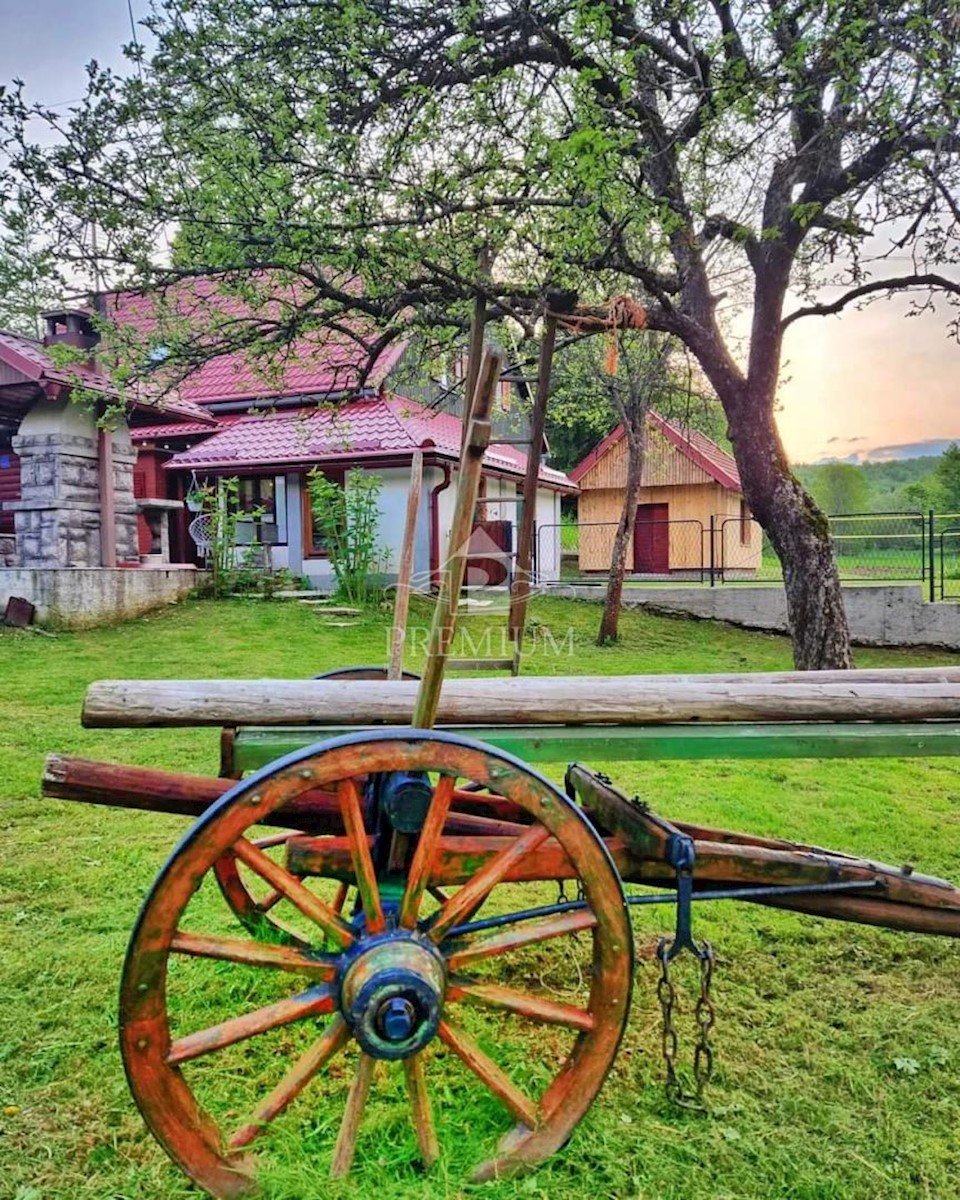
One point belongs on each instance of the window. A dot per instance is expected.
(314, 545)
(745, 518)
(257, 510)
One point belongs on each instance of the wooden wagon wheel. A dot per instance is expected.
(252, 906)
(395, 983)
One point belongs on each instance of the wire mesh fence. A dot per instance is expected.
(867, 547)
(902, 547)
(946, 534)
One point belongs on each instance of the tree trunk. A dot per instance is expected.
(800, 535)
(610, 620)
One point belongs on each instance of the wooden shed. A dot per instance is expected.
(687, 481)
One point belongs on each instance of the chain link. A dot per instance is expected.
(667, 995)
(705, 1016)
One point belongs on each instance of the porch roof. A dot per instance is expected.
(365, 429)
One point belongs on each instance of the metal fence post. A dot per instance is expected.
(933, 590)
(712, 552)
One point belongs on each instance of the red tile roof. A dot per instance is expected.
(30, 358)
(691, 443)
(365, 429)
(322, 362)
(151, 433)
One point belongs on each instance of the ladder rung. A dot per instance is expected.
(480, 664)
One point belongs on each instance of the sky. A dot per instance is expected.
(867, 383)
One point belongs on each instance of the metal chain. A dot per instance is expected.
(667, 995)
(705, 1016)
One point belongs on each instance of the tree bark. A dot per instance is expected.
(610, 618)
(800, 535)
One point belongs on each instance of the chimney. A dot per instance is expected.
(70, 327)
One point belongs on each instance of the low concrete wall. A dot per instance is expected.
(878, 616)
(83, 597)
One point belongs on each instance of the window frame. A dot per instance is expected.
(338, 475)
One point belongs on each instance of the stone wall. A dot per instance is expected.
(894, 615)
(83, 598)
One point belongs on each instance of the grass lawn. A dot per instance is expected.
(838, 1047)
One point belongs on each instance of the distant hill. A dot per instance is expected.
(880, 486)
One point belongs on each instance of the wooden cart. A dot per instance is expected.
(390, 889)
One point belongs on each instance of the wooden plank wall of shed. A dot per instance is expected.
(671, 478)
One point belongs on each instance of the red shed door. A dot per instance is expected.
(651, 539)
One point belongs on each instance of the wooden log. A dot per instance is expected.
(91, 782)
(583, 700)
(116, 786)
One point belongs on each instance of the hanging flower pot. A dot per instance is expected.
(194, 496)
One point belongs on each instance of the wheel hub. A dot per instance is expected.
(392, 995)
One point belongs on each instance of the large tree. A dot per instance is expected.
(700, 156)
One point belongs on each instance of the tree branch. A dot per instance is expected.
(902, 284)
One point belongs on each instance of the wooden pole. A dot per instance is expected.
(452, 571)
(584, 700)
(478, 326)
(521, 580)
(402, 604)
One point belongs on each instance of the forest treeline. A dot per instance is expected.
(901, 485)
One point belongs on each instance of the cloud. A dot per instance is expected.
(929, 447)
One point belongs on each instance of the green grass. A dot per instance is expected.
(838, 1046)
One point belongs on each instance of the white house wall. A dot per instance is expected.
(393, 510)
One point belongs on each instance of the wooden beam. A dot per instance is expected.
(255, 746)
(444, 625)
(556, 700)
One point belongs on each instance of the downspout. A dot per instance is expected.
(435, 525)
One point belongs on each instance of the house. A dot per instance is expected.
(312, 407)
(66, 480)
(689, 486)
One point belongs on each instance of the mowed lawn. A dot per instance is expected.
(838, 1047)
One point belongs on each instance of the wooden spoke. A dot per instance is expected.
(252, 954)
(340, 899)
(273, 839)
(335, 1036)
(270, 900)
(332, 924)
(472, 894)
(489, 1074)
(511, 937)
(350, 1125)
(438, 894)
(419, 871)
(363, 867)
(535, 1008)
(311, 1003)
(421, 1110)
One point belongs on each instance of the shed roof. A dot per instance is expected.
(691, 443)
(384, 427)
